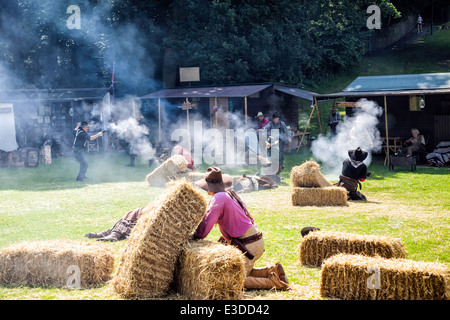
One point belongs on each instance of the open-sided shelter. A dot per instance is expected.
(409, 101)
(29, 117)
(226, 107)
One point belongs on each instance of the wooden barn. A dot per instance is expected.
(419, 101)
(225, 107)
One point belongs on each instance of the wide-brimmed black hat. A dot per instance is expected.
(84, 124)
(275, 115)
(357, 154)
(307, 230)
(215, 181)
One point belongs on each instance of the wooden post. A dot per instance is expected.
(187, 116)
(245, 102)
(387, 131)
(215, 113)
(186, 106)
(326, 128)
(318, 114)
(159, 119)
(306, 128)
(134, 110)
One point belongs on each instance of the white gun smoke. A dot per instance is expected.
(359, 130)
(136, 135)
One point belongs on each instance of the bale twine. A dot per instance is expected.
(328, 196)
(147, 263)
(320, 245)
(57, 263)
(357, 277)
(308, 175)
(166, 171)
(210, 271)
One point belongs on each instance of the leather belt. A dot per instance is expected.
(252, 238)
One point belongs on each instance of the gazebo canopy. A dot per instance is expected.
(205, 92)
(303, 94)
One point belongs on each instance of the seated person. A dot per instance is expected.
(414, 144)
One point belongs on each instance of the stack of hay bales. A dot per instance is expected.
(210, 271)
(320, 245)
(311, 188)
(167, 171)
(147, 264)
(51, 263)
(360, 277)
(308, 175)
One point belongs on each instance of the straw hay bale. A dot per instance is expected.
(320, 245)
(167, 171)
(308, 175)
(357, 277)
(192, 176)
(210, 271)
(147, 263)
(328, 196)
(46, 263)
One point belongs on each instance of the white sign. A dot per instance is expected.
(189, 74)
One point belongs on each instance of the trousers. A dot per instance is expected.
(80, 156)
(255, 248)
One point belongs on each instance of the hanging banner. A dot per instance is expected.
(8, 140)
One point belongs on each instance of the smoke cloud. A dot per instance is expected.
(136, 134)
(359, 130)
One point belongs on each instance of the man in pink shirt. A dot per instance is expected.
(238, 228)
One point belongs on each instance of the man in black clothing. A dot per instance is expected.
(354, 171)
(80, 144)
(333, 120)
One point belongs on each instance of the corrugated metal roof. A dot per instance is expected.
(426, 81)
(204, 92)
(307, 95)
(55, 95)
(363, 94)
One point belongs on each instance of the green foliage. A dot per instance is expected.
(294, 42)
(232, 41)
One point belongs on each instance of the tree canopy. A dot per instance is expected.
(297, 42)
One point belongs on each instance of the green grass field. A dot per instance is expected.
(46, 203)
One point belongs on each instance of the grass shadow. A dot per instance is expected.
(111, 168)
(61, 174)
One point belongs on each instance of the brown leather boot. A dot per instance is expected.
(271, 282)
(278, 269)
(260, 272)
(279, 284)
(258, 283)
(266, 271)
